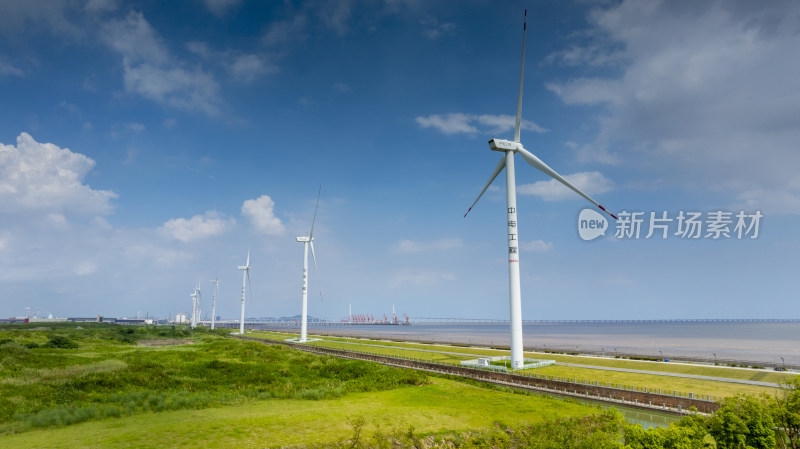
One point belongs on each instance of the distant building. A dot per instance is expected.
(132, 321)
(14, 320)
(82, 320)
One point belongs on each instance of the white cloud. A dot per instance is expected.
(176, 87)
(42, 177)
(424, 278)
(412, 246)
(336, 15)
(135, 127)
(705, 98)
(261, 213)
(285, 31)
(151, 72)
(135, 39)
(243, 67)
(455, 123)
(198, 227)
(536, 246)
(449, 123)
(16, 16)
(434, 30)
(782, 201)
(9, 69)
(588, 91)
(96, 6)
(246, 68)
(220, 7)
(502, 123)
(592, 183)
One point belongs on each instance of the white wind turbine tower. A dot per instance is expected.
(308, 241)
(195, 306)
(507, 161)
(245, 277)
(214, 302)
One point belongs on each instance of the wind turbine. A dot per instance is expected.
(214, 302)
(195, 306)
(507, 161)
(308, 241)
(245, 277)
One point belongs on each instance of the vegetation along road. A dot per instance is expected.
(108, 386)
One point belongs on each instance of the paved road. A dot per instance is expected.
(625, 370)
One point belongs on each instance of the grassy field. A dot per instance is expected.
(113, 386)
(452, 354)
(440, 406)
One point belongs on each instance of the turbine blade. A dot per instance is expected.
(311, 234)
(316, 271)
(500, 166)
(521, 73)
(544, 168)
(248, 256)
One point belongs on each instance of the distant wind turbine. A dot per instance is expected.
(195, 306)
(308, 241)
(214, 301)
(507, 161)
(245, 277)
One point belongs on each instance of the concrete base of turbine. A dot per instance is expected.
(485, 363)
(298, 340)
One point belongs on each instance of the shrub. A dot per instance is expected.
(60, 342)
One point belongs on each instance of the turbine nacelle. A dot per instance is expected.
(304, 239)
(504, 145)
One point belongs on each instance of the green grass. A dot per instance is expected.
(701, 388)
(107, 376)
(653, 382)
(438, 407)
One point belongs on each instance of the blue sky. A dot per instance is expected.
(145, 145)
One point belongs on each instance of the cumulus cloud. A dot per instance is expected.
(198, 227)
(41, 177)
(702, 91)
(412, 246)
(592, 183)
(455, 123)
(261, 213)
